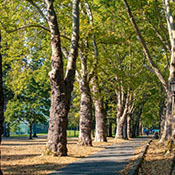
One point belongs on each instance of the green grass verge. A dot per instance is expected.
(70, 133)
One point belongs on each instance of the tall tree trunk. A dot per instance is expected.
(100, 125)
(141, 129)
(1, 96)
(138, 126)
(85, 116)
(85, 106)
(119, 130)
(121, 114)
(171, 29)
(100, 115)
(161, 115)
(30, 130)
(61, 87)
(129, 126)
(125, 136)
(34, 126)
(167, 123)
(1, 102)
(8, 129)
(110, 129)
(137, 113)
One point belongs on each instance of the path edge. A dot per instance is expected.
(137, 164)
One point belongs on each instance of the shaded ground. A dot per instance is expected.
(156, 161)
(21, 156)
(109, 161)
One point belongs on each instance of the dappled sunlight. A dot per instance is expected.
(156, 161)
(24, 156)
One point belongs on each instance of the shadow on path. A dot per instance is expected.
(109, 161)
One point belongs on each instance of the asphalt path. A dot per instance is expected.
(108, 161)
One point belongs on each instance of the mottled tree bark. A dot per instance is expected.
(1, 103)
(121, 114)
(85, 106)
(100, 116)
(167, 121)
(1, 96)
(171, 98)
(61, 87)
(85, 116)
(100, 125)
(129, 126)
(119, 131)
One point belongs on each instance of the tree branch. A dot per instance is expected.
(162, 26)
(39, 10)
(28, 26)
(145, 49)
(73, 53)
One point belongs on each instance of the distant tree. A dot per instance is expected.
(24, 111)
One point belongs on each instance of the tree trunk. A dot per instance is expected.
(141, 129)
(1, 96)
(30, 130)
(100, 125)
(85, 115)
(135, 128)
(123, 102)
(161, 115)
(1, 102)
(110, 129)
(119, 132)
(85, 105)
(100, 116)
(138, 126)
(34, 127)
(125, 136)
(61, 87)
(129, 126)
(167, 124)
(171, 79)
(8, 129)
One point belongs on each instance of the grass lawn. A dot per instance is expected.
(21, 156)
(70, 133)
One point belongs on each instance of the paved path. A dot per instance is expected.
(106, 162)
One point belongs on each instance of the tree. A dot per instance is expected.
(1, 95)
(85, 104)
(100, 116)
(167, 86)
(61, 87)
(1, 99)
(22, 110)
